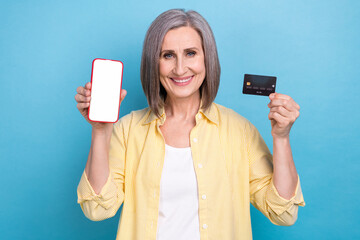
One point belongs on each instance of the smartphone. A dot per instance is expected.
(106, 81)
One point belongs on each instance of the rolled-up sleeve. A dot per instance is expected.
(285, 209)
(104, 205)
(263, 193)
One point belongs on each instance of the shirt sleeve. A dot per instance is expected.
(104, 205)
(263, 193)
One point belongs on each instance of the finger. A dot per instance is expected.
(282, 111)
(280, 120)
(285, 97)
(86, 92)
(290, 99)
(277, 117)
(80, 90)
(123, 93)
(81, 98)
(81, 106)
(88, 85)
(297, 106)
(290, 116)
(282, 102)
(281, 96)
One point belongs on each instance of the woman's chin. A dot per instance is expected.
(183, 95)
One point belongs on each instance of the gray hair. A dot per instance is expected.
(149, 71)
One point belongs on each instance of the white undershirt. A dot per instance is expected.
(178, 208)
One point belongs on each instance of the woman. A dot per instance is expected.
(186, 167)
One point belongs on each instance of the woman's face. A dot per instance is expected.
(182, 67)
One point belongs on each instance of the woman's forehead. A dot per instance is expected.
(183, 37)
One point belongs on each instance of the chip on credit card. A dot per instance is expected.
(259, 85)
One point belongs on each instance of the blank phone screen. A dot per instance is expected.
(106, 79)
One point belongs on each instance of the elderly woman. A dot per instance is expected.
(185, 167)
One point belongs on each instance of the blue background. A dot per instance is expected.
(47, 48)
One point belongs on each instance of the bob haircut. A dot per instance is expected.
(149, 70)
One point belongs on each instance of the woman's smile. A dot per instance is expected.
(181, 81)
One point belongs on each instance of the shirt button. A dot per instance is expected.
(199, 117)
(195, 139)
(203, 196)
(205, 226)
(200, 165)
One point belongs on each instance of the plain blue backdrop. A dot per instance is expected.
(47, 48)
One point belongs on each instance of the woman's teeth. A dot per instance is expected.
(182, 81)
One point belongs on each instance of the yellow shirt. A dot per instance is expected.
(233, 167)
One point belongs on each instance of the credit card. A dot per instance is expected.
(259, 85)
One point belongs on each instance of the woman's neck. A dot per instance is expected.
(184, 109)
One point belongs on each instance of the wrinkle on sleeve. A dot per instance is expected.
(104, 205)
(279, 204)
(106, 196)
(263, 193)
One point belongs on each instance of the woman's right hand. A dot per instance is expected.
(83, 102)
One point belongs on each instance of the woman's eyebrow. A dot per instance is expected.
(192, 48)
(186, 49)
(169, 51)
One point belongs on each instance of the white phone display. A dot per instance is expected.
(106, 80)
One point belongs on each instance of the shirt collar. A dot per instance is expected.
(210, 113)
(151, 116)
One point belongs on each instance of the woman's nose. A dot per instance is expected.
(180, 67)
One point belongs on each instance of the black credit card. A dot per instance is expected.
(259, 85)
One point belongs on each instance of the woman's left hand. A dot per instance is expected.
(283, 113)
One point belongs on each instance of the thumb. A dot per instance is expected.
(123, 93)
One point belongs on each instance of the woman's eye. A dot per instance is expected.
(168, 55)
(191, 54)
